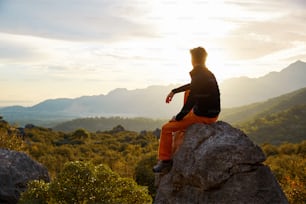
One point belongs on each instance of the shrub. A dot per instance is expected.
(144, 174)
(37, 193)
(81, 182)
(12, 142)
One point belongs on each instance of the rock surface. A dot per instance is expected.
(16, 169)
(218, 164)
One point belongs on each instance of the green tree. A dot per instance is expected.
(37, 193)
(74, 183)
(144, 174)
(80, 134)
(82, 183)
(12, 142)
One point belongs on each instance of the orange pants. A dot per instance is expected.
(165, 143)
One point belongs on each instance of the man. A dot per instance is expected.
(201, 106)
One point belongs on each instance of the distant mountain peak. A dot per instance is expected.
(117, 91)
(297, 63)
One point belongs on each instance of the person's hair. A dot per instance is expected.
(198, 55)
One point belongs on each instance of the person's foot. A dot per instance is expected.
(162, 166)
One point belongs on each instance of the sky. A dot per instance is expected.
(71, 48)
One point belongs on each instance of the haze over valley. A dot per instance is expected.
(150, 102)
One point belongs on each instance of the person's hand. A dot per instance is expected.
(169, 97)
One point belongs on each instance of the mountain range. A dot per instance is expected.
(275, 121)
(149, 102)
(243, 90)
(261, 109)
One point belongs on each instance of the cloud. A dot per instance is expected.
(263, 5)
(73, 19)
(275, 26)
(13, 50)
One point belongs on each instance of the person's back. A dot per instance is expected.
(207, 93)
(204, 97)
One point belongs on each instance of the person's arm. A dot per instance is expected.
(181, 88)
(187, 107)
(189, 103)
(177, 90)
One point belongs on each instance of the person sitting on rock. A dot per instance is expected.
(202, 106)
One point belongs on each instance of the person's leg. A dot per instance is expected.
(165, 143)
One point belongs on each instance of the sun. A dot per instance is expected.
(183, 25)
(191, 18)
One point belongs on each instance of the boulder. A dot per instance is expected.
(16, 170)
(218, 164)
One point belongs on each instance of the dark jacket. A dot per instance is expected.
(204, 96)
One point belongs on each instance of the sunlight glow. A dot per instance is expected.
(186, 19)
(187, 24)
(144, 43)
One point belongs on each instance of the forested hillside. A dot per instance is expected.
(122, 157)
(271, 106)
(276, 121)
(103, 124)
(284, 126)
(126, 148)
(119, 150)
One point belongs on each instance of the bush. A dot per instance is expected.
(144, 174)
(81, 182)
(37, 193)
(12, 142)
(80, 134)
(288, 164)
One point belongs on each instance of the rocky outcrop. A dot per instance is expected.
(218, 164)
(16, 169)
